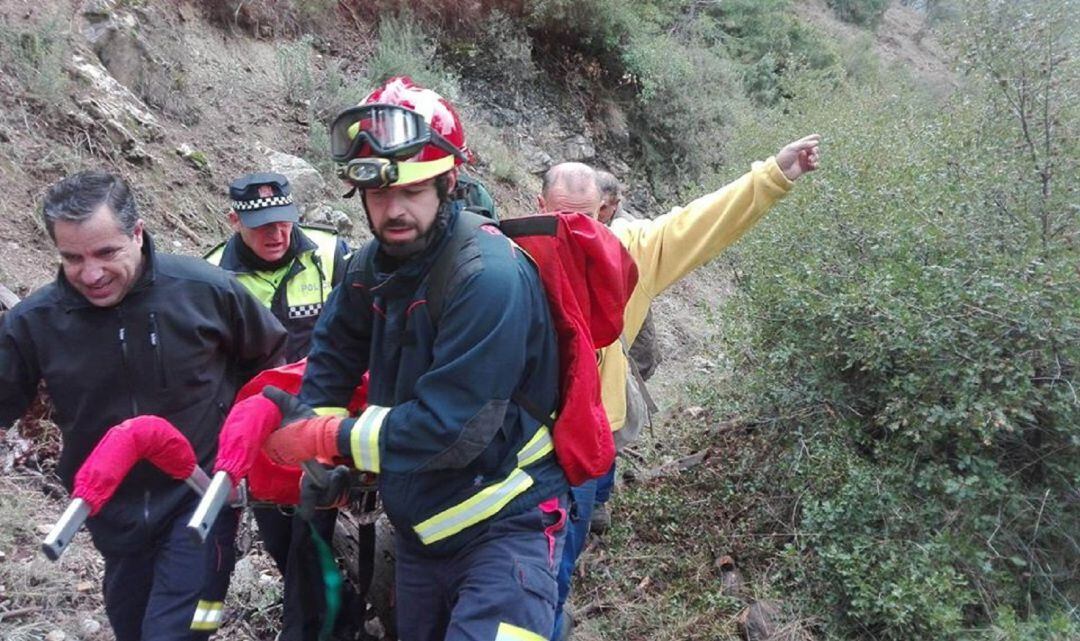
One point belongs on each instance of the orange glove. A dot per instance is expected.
(306, 439)
(304, 436)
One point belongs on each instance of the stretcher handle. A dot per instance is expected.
(217, 494)
(69, 523)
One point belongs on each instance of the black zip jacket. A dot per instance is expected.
(179, 346)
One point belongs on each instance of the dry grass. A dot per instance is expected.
(38, 597)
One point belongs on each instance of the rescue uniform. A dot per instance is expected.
(467, 477)
(666, 249)
(294, 289)
(179, 345)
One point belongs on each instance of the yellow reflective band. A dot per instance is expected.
(483, 505)
(537, 448)
(509, 632)
(414, 172)
(364, 438)
(207, 616)
(331, 411)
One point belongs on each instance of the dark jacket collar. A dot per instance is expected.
(71, 299)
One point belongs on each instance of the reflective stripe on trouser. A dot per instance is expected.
(152, 594)
(509, 632)
(505, 577)
(207, 615)
(487, 502)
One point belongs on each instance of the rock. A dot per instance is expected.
(327, 215)
(55, 635)
(8, 299)
(110, 106)
(84, 586)
(731, 580)
(537, 160)
(503, 117)
(89, 627)
(759, 621)
(307, 184)
(615, 122)
(197, 158)
(121, 49)
(98, 9)
(578, 149)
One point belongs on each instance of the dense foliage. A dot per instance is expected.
(911, 328)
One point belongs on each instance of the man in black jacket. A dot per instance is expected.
(125, 331)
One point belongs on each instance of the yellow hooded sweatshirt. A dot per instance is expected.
(673, 245)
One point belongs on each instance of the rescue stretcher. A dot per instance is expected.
(242, 475)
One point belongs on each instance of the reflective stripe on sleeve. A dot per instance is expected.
(208, 616)
(331, 411)
(364, 439)
(483, 505)
(509, 632)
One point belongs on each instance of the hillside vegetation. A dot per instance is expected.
(881, 378)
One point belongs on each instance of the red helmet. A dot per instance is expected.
(414, 132)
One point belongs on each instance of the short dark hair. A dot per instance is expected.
(609, 185)
(77, 197)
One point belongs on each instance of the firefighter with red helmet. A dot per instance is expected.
(466, 471)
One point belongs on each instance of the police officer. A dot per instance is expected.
(290, 269)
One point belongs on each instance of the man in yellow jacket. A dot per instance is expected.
(666, 249)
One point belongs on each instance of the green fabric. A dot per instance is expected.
(331, 583)
(476, 197)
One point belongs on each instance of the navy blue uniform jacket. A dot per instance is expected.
(441, 429)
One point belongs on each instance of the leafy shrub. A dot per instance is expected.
(36, 58)
(594, 26)
(272, 18)
(867, 13)
(405, 49)
(915, 334)
(295, 70)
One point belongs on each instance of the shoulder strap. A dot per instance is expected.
(466, 226)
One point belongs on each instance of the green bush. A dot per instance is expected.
(36, 58)
(296, 71)
(406, 49)
(867, 13)
(915, 336)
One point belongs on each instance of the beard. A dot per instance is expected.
(417, 245)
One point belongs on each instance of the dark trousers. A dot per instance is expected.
(288, 540)
(174, 590)
(501, 586)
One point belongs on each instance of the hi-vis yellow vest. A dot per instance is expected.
(294, 293)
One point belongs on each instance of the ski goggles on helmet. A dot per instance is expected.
(385, 131)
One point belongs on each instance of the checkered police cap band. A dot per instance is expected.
(262, 203)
